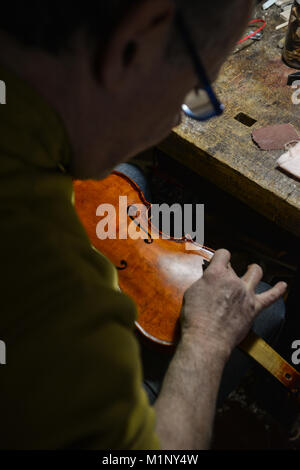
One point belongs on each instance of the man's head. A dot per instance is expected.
(117, 71)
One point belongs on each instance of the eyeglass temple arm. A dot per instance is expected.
(196, 60)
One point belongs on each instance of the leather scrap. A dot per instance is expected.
(275, 137)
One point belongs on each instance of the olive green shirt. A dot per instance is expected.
(73, 375)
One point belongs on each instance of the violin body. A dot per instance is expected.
(155, 270)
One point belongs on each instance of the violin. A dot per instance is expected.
(155, 270)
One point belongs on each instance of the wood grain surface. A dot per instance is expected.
(253, 82)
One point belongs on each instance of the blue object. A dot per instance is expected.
(212, 107)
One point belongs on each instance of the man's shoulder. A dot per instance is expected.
(49, 264)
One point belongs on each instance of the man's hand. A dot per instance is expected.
(217, 314)
(221, 307)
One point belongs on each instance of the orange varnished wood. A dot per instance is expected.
(157, 274)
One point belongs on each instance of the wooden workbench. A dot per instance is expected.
(253, 82)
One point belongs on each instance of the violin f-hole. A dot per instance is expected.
(130, 210)
(123, 266)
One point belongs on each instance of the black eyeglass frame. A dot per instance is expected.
(218, 107)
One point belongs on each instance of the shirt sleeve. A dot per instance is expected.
(74, 379)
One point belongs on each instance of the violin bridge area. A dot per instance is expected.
(258, 414)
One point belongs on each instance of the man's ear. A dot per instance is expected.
(138, 41)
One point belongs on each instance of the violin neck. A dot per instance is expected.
(262, 353)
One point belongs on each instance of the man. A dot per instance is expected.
(88, 86)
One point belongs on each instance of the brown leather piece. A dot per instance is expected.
(275, 137)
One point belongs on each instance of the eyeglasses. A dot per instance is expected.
(200, 104)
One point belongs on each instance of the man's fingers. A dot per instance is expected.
(253, 276)
(220, 258)
(268, 298)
